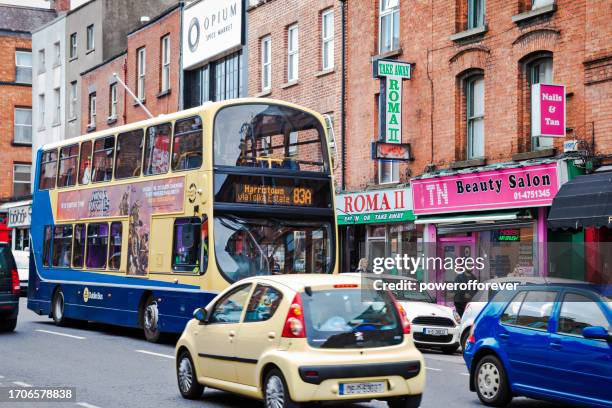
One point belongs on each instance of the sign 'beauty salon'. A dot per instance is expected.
(530, 186)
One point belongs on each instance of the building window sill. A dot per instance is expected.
(290, 84)
(21, 144)
(324, 72)
(164, 93)
(536, 154)
(91, 127)
(41, 71)
(462, 164)
(56, 124)
(57, 65)
(388, 54)
(533, 14)
(111, 120)
(469, 34)
(143, 101)
(72, 59)
(72, 119)
(264, 93)
(90, 51)
(40, 128)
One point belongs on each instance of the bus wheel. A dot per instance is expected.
(57, 308)
(150, 320)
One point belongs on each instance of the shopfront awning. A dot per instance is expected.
(585, 201)
(475, 217)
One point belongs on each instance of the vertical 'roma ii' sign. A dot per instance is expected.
(390, 111)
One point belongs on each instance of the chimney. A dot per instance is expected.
(60, 5)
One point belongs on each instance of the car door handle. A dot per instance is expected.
(504, 336)
(232, 334)
(271, 336)
(556, 345)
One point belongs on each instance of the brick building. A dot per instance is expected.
(295, 55)
(467, 111)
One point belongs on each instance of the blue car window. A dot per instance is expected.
(578, 312)
(536, 309)
(511, 312)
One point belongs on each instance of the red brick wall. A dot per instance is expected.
(11, 96)
(101, 79)
(150, 37)
(314, 89)
(574, 33)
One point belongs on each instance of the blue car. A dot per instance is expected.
(547, 342)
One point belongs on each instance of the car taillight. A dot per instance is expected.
(471, 339)
(403, 318)
(294, 323)
(15, 282)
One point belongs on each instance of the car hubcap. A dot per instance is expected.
(185, 374)
(150, 318)
(275, 394)
(59, 306)
(488, 380)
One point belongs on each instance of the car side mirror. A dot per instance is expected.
(200, 314)
(596, 332)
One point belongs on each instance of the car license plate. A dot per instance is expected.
(362, 388)
(436, 332)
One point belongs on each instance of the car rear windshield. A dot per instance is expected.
(7, 264)
(351, 318)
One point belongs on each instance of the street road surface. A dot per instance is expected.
(115, 367)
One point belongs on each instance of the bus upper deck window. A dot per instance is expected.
(157, 149)
(85, 163)
(129, 153)
(68, 166)
(187, 146)
(48, 170)
(103, 159)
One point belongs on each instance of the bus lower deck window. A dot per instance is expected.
(97, 242)
(62, 245)
(47, 245)
(79, 246)
(186, 245)
(114, 253)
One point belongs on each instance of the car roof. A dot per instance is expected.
(536, 280)
(298, 282)
(378, 276)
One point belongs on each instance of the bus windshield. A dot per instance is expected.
(257, 246)
(269, 136)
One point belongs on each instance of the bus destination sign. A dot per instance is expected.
(274, 195)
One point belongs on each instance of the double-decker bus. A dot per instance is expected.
(139, 225)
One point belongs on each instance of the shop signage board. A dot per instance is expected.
(371, 207)
(520, 187)
(20, 216)
(548, 110)
(391, 74)
(211, 28)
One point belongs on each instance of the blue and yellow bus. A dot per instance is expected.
(139, 225)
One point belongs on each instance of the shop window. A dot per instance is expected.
(388, 171)
(186, 245)
(227, 78)
(46, 258)
(129, 154)
(22, 242)
(476, 13)
(536, 310)
(48, 170)
(388, 26)
(21, 180)
(62, 245)
(97, 242)
(263, 304)
(157, 149)
(103, 159)
(474, 102)
(293, 53)
(327, 39)
(540, 71)
(114, 252)
(78, 248)
(85, 163)
(187, 144)
(68, 166)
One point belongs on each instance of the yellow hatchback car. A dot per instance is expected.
(290, 339)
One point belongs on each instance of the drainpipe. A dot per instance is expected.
(343, 96)
(124, 92)
(181, 76)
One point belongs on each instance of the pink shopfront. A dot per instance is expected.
(497, 212)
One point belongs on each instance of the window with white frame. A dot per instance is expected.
(73, 100)
(388, 26)
(292, 53)
(57, 55)
(141, 56)
(112, 109)
(266, 63)
(327, 39)
(41, 110)
(476, 12)
(41, 61)
(21, 180)
(73, 45)
(475, 101)
(388, 171)
(23, 126)
(92, 109)
(541, 3)
(57, 106)
(540, 72)
(90, 38)
(165, 62)
(23, 67)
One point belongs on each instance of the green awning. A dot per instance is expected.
(375, 217)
